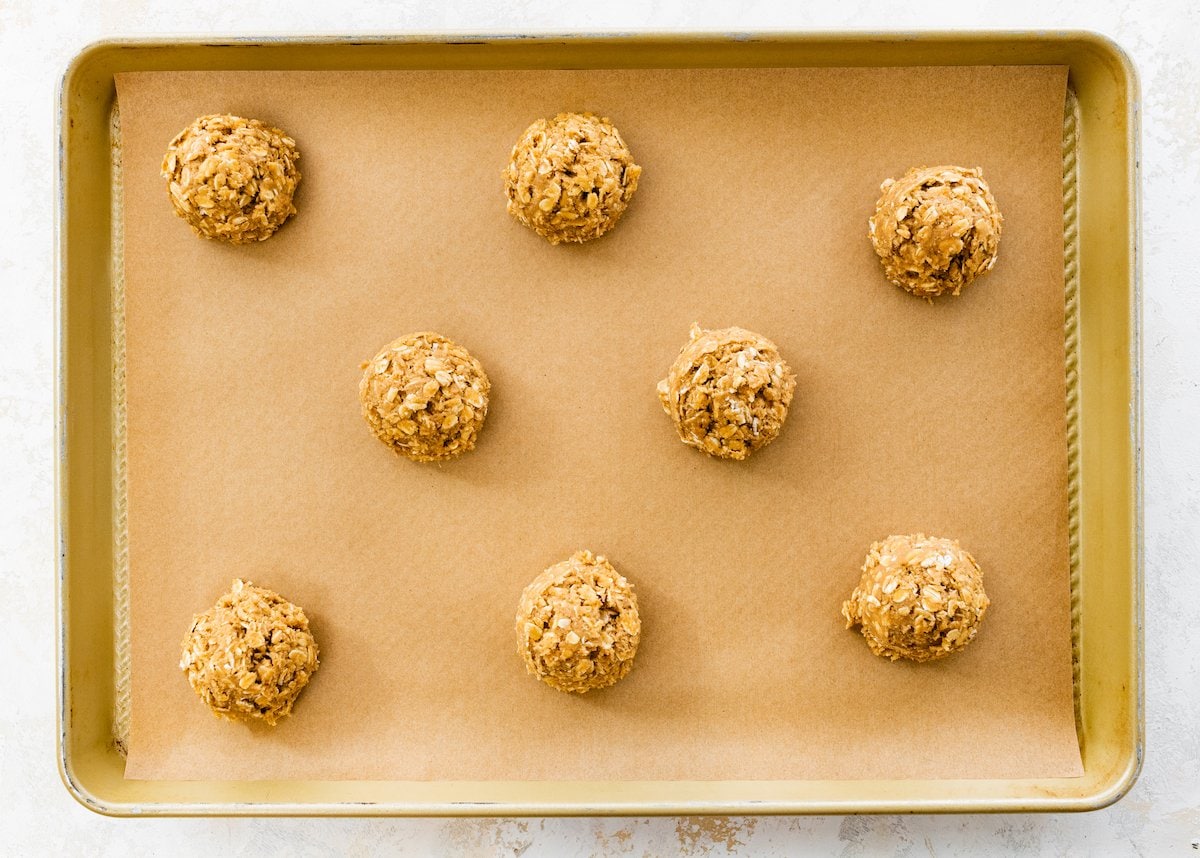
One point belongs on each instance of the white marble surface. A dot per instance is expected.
(1160, 816)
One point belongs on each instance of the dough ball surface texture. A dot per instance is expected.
(232, 179)
(570, 178)
(936, 229)
(728, 392)
(920, 597)
(577, 624)
(425, 396)
(250, 655)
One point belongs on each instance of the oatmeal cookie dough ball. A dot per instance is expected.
(577, 624)
(920, 598)
(425, 396)
(232, 179)
(570, 178)
(728, 392)
(250, 655)
(936, 229)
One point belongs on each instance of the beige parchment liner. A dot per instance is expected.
(247, 455)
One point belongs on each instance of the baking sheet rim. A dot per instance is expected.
(1114, 782)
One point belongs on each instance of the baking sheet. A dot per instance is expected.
(247, 455)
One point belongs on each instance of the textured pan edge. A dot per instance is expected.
(122, 703)
(1071, 345)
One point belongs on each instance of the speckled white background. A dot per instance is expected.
(1161, 816)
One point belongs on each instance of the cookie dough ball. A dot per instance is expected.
(425, 396)
(936, 229)
(728, 392)
(920, 598)
(250, 655)
(570, 177)
(577, 624)
(232, 179)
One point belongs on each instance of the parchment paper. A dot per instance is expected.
(248, 457)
